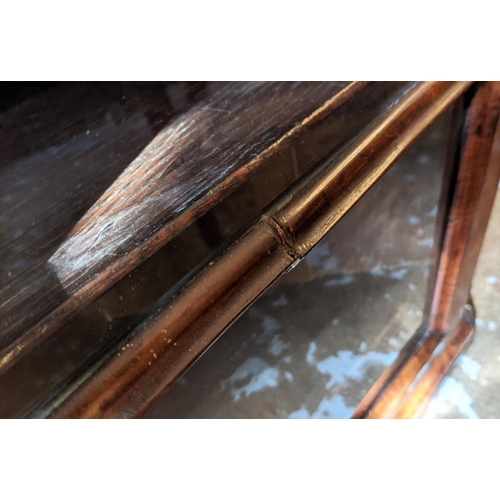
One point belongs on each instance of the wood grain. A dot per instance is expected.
(200, 155)
(148, 362)
(59, 359)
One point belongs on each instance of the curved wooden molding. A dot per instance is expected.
(195, 160)
(141, 369)
(468, 201)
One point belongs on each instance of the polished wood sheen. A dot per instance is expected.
(204, 152)
(413, 405)
(466, 205)
(309, 211)
(97, 158)
(137, 372)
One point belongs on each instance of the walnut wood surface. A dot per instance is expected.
(82, 238)
(147, 363)
(466, 204)
(99, 326)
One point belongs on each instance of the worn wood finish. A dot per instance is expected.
(157, 353)
(468, 201)
(198, 157)
(415, 402)
(86, 337)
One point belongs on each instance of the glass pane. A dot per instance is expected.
(117, 124)
(314, 343)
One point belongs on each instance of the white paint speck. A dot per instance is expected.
(377, 271)
(395, 343)
(269, 328)
(426, 242)
(433, 212)
(492, 326)
(398, 274)
(492, 280)
(469, 366)
(281, 302)
(327, 408)
(345, 280)
(452, 392)
(310, 356)
(261, 375)
(321, 257)
(302, 413)
(347, 365)
(277, 346)
(333, 408)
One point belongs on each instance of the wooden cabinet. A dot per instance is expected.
(138, 221)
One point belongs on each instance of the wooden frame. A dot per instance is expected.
(165, 346)
(466, 201)
(134, 372)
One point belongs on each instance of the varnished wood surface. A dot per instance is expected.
(413, 405)
(467, 200)
(148, 362)
(101, 325)
(205, 145)
(306, 213)
(476, 186)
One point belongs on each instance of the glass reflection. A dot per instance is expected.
(314, 343)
